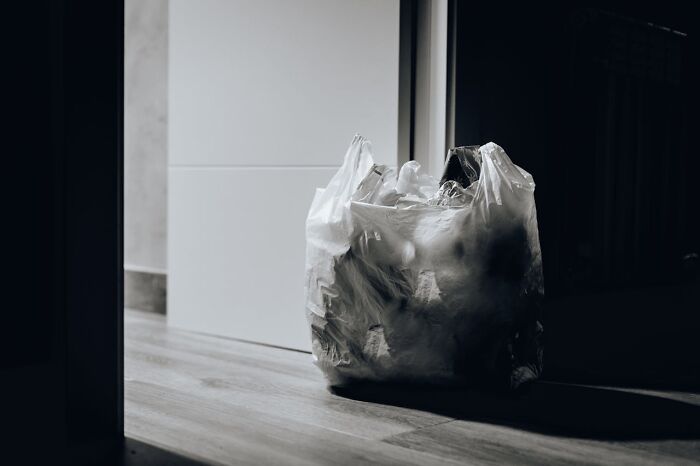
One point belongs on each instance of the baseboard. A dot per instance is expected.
(145, 291)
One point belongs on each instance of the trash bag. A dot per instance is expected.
(413, 280)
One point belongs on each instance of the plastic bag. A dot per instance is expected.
(409, 280)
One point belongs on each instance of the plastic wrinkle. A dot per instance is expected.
(411, 279)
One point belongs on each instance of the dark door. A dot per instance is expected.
(598, 105)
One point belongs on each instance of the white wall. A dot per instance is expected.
(265, 96)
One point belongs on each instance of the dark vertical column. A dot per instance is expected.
(61, 331)
(93, 100)
(407, 79)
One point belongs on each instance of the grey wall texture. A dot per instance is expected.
(145, 134)
(145, 153)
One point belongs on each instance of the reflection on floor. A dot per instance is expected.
(222, 401)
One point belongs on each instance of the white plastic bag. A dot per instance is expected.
(409, 282)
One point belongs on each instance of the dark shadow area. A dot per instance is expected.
(551, 408)
(136, 453)
(636, 338)
(599, 104)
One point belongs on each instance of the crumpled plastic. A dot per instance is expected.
(411, 279)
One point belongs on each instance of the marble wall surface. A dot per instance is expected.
(145, 134)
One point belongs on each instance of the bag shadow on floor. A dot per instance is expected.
(550, 408)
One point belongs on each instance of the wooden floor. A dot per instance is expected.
(222, 401)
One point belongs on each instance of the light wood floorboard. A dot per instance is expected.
(231, 402)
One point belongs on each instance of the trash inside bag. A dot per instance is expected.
(411, 279)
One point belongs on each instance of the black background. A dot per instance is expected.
(598, 104)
